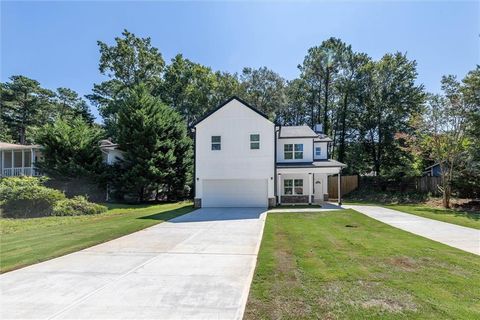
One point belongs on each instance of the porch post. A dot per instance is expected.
(279, 188)
(310, 188)
(23, 162)
(339, 189)
(3, 163)
(13, 164)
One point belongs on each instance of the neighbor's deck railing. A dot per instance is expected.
(22, 171)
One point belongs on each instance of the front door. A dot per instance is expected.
(318, 187)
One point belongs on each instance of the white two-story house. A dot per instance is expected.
(242, 159)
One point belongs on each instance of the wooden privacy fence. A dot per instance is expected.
(348, 184)
(408, 184)
(428, 184)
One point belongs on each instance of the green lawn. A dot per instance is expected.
(461, 218)
(28, 241)
(344, 265)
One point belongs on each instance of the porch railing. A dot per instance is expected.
(22, 171)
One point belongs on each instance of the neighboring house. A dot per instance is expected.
(242, 159)
(110, 151)
(433, 171)
(19, 160)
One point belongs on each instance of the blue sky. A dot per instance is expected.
(55, 42)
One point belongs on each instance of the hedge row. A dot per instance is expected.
(27, 197)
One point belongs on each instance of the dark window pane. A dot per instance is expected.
(288, 155)
(288, 190)
(318, 151)
(216, 146)
(299, 183)
(288, 183)
(216, 138)
(254, 137)
(255, 145)
(298, 155)
(299, 147)
(299, 190)
(288, 147)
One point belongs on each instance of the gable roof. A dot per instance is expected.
(297, 132)
(11, 146)
(224, 104)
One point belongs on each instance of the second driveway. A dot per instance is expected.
(196, 266)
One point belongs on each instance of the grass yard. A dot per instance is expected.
(28, 241)
(344, 265)
(461, 218)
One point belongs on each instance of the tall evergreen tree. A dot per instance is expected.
(157, 148)
(70, 148)
(24, 105)
(264, 89)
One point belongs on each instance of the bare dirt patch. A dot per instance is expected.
(405, 263)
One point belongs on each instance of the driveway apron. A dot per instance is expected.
(196, 266)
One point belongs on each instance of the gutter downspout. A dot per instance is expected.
(194, 163)
(275, 187)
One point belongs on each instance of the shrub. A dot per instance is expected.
(26, 197)
(75, 206)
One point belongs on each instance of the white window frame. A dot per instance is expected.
(319, 149)
(254, 142)
(295, 184)
(295, 151)
(285, 151)
(216, 143)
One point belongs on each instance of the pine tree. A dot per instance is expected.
(157, 149)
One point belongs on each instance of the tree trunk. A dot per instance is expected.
(341, 148)
(447, 192)
(325, 109)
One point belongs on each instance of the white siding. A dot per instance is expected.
(234, 122)
(113, 156)
(307, 149)
(323, 148)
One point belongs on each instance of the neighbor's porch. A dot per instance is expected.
(304, 185)
(18, 160)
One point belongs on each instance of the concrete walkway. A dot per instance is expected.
(459, 237)
(197, 266)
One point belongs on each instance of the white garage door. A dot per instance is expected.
(235, 193)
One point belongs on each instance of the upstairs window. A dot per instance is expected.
(299, 151)
(216, 143)
(318, 151)
(288, 151)
(254, 141)
(292, 151)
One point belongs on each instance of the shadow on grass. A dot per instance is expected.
(168, 214)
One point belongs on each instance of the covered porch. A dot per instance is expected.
(18, 160)
(306, 183)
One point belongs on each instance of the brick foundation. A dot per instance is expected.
(294, 199)
(271, 202)
(197, 203)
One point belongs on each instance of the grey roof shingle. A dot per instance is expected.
(314, 164)
(297, 132)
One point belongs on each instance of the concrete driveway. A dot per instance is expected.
(197, 266)
(463, 238)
